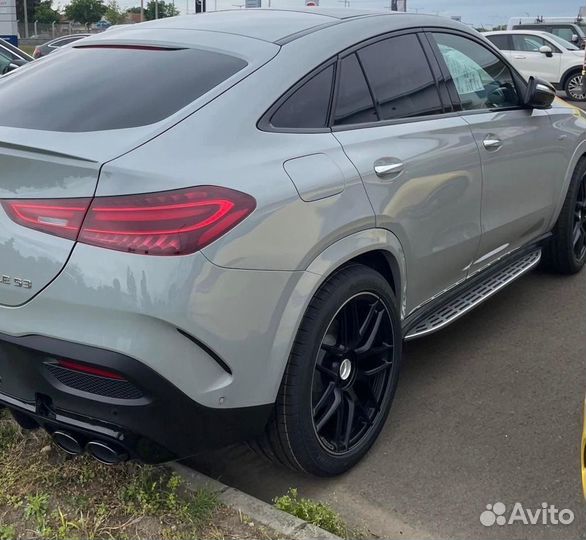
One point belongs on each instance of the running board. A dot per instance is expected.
(469, 299)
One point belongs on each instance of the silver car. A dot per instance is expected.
(223, 227)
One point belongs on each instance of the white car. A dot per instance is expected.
(545, 56)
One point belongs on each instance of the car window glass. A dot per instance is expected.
(66, 41)
(4, 62)
(482, 80)
(500, 42)
(400, 78)
(7, 53)
(93, 89)
(527, 43)
(308, 106)
(354, 103)
(565, 32)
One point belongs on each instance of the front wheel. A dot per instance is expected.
(573, 87)
(341, 376)
(565, 252)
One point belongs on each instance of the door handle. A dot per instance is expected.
(492, 142)
(387, 167)
(519, 57)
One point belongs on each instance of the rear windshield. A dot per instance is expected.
(104, 88)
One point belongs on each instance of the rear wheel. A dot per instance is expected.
(566, 251)
(341, 376)
(573, 87)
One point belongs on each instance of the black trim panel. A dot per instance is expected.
(166, 424)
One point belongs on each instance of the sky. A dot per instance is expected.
(486, 13)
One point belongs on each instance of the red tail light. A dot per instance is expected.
(168, 223)
(89, 369)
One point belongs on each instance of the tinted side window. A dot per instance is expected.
(565, 32)
(308, 106)
(482, 80)
(93, 89)
(500, 42)
(400, 78)
(528, 43)
(354, 103)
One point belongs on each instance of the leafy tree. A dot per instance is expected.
(134, 9)
(85, 11)
(165, 9)
(114, 14)
(31, 6)
(44, 13)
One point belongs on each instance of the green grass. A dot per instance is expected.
(29, 49)
(314, 512)
(46, 494)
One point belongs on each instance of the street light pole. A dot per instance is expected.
(25, 18)
(141, 10)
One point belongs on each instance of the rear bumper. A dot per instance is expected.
(143, 413)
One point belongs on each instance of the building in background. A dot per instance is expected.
(8, 24)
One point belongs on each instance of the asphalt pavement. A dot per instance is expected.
(488, 410)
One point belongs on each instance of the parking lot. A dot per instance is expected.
(488, 410)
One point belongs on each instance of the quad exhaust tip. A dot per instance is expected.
(67, 442)
(106, 453)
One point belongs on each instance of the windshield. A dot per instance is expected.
(565, 44)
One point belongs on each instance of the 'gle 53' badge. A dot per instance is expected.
(16, 282)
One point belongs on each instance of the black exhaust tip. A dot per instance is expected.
(67, 442)
(106, 453)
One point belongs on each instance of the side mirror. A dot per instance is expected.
(546, 50)
(575, 38)
(540, 94)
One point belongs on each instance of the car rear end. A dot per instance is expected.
(101, 291)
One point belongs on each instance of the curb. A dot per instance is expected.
(285, 525)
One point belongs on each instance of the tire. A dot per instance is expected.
(355, 307)
(573, 86)
(565, 252)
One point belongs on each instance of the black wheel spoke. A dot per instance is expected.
(372, 334)
(353, 374)
(378, 369)
(375, 351)
(326, 371)
(324, 398)
(349, 422)
(331, 410)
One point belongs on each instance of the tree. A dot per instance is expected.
(44, 13)
(114, 14)
(85, 11)
(164, 10)
(31, 6)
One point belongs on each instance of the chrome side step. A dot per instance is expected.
(469, 299)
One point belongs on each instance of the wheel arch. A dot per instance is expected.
(377, 248)
(568, 73)
(578, 156)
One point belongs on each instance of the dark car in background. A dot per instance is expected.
(56, 44)
(12, 57)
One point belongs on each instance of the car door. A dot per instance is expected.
(419, 162)
(521, 159)
(528, 59)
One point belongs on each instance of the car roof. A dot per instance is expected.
(281, 25)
